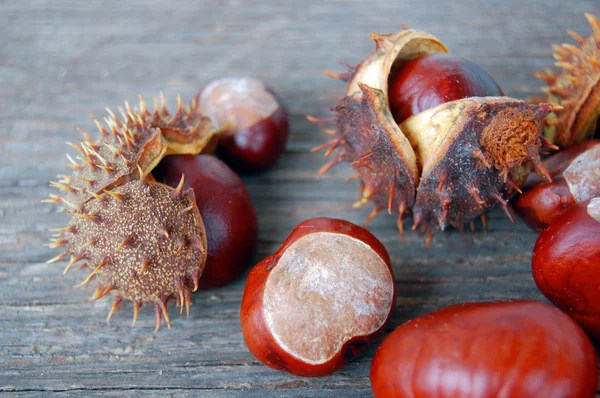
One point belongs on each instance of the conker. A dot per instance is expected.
(566, 264)
(253, 123)
(319, 300)
(227, 211)
(498, 349)
(556, 163)
(577, 179)
(435, 79)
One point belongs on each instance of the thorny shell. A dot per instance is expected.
(142, 240)
(141, 139)
(448, 164)
(576, 88)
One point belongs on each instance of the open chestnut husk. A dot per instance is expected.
(522, 349)
(576, 179)
(576, 88)
(450, 163)
(319, 300)
(566, 264)
(141, 240)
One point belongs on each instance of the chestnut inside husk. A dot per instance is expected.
(448, 164)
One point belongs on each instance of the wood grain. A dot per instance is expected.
(60, 60)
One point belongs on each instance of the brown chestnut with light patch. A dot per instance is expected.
(576, 180)
(319, 300)
(566, 264)
(253, 123)
(558, 162)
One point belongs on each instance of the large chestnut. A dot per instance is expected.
(500, 349)
(435, 79)
(576, 180)
(319, 300)
(566, 264)
(253, 123)
(227, 211)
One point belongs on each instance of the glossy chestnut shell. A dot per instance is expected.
(435, 79)
(500, 349)
(576, 179)
(566, 264)
(558, 162)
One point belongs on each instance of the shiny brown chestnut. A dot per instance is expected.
(253, 123)
(556, 163)
(519, 349)
(576, 180)
(435, 79)
(319, 300)
(566, 264)
(227, 211)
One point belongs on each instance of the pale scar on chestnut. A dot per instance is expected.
(583, 175)
(593, 209)
(141, 240)
(236, 103)
(448, 164)
(304, 308)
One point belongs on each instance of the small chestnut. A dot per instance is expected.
(575, 180)
(319, 300)
(226, 209)
(435, 79)
(556, 163)
(566, 264)
(499, 349)
(253, 123)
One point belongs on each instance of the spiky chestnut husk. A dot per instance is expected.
(142, 240)
(141, 139)
(450, 163)
(576, 88)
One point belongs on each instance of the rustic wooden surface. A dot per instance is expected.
(60, 60)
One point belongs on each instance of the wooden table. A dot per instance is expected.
(60, 60)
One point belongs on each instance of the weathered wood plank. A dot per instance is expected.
(60, 60)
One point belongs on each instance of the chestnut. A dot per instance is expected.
(319, 300)
(566, 264)
(576, 179)
(556, 163)
(227, 211)
(253, 123)
(435, 79)
(496, 349)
